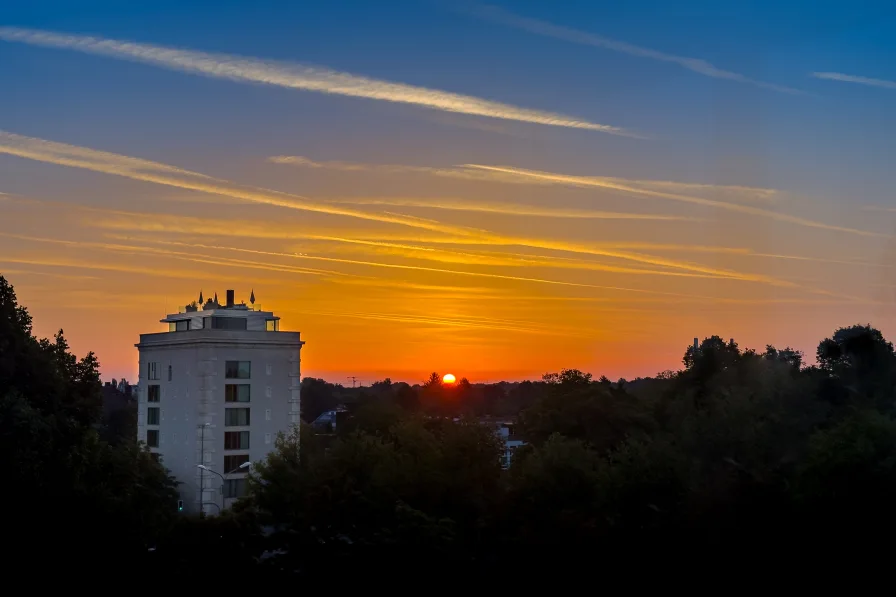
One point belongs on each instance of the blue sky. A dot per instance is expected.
(825, 147)
(429, 44)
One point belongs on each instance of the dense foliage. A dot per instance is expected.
(741, 455)
(68, 493)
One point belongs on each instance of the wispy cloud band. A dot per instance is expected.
(514, 209)
(62, 154)
(697, 65)
(855, 79)
(590, 181)
(109, 163)
(468, 172)
(297, 76)
(647, 188)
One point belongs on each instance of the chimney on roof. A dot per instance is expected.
(696, 344)
(229, 298)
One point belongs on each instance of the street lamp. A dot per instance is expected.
(244, 465)
(205, 468)
(202, 469)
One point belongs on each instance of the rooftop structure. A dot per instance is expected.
(211, 315)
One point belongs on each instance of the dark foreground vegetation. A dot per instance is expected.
(743, 460)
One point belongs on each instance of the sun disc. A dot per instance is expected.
(448, 378)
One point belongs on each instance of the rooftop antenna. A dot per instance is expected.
(353, 378)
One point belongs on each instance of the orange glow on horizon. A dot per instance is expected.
(506, 273)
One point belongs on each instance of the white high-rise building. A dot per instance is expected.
(214, 391)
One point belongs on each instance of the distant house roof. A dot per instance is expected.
(113, 400)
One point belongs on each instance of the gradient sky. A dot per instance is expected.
(493, 191)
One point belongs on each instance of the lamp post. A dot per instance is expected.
(202, 469)
(215, 504)
(246, 464)
(224, 476)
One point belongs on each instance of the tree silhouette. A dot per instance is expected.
(77, 490)
(434, 380)
(741, 452)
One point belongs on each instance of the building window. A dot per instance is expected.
(236, 440)
(233, 462)
(152, 438)
(152, 416)
(153, 370)
(236, 393)
(229, 323)
(236, 417)
(153, 393)
(237, 369)
(182, 325)
(272, 325)
(234, 488)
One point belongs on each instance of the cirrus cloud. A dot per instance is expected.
(856, 79)
(297, 76)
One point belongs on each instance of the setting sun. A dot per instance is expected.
(448, 378)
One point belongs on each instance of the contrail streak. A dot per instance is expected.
(543, 28)
(854, 79)
(466, 323)
(741, 192)
(297, 76)
(194, 257)
(592, 181)
(402, 267)
(110, 163)
(512, 209)
(67, 155)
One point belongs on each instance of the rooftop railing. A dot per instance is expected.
(197, 308)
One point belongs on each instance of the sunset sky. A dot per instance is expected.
(416, 186)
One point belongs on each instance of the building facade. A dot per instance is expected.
(213, 393)
(511, 443)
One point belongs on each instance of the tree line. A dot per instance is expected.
(738, 457)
